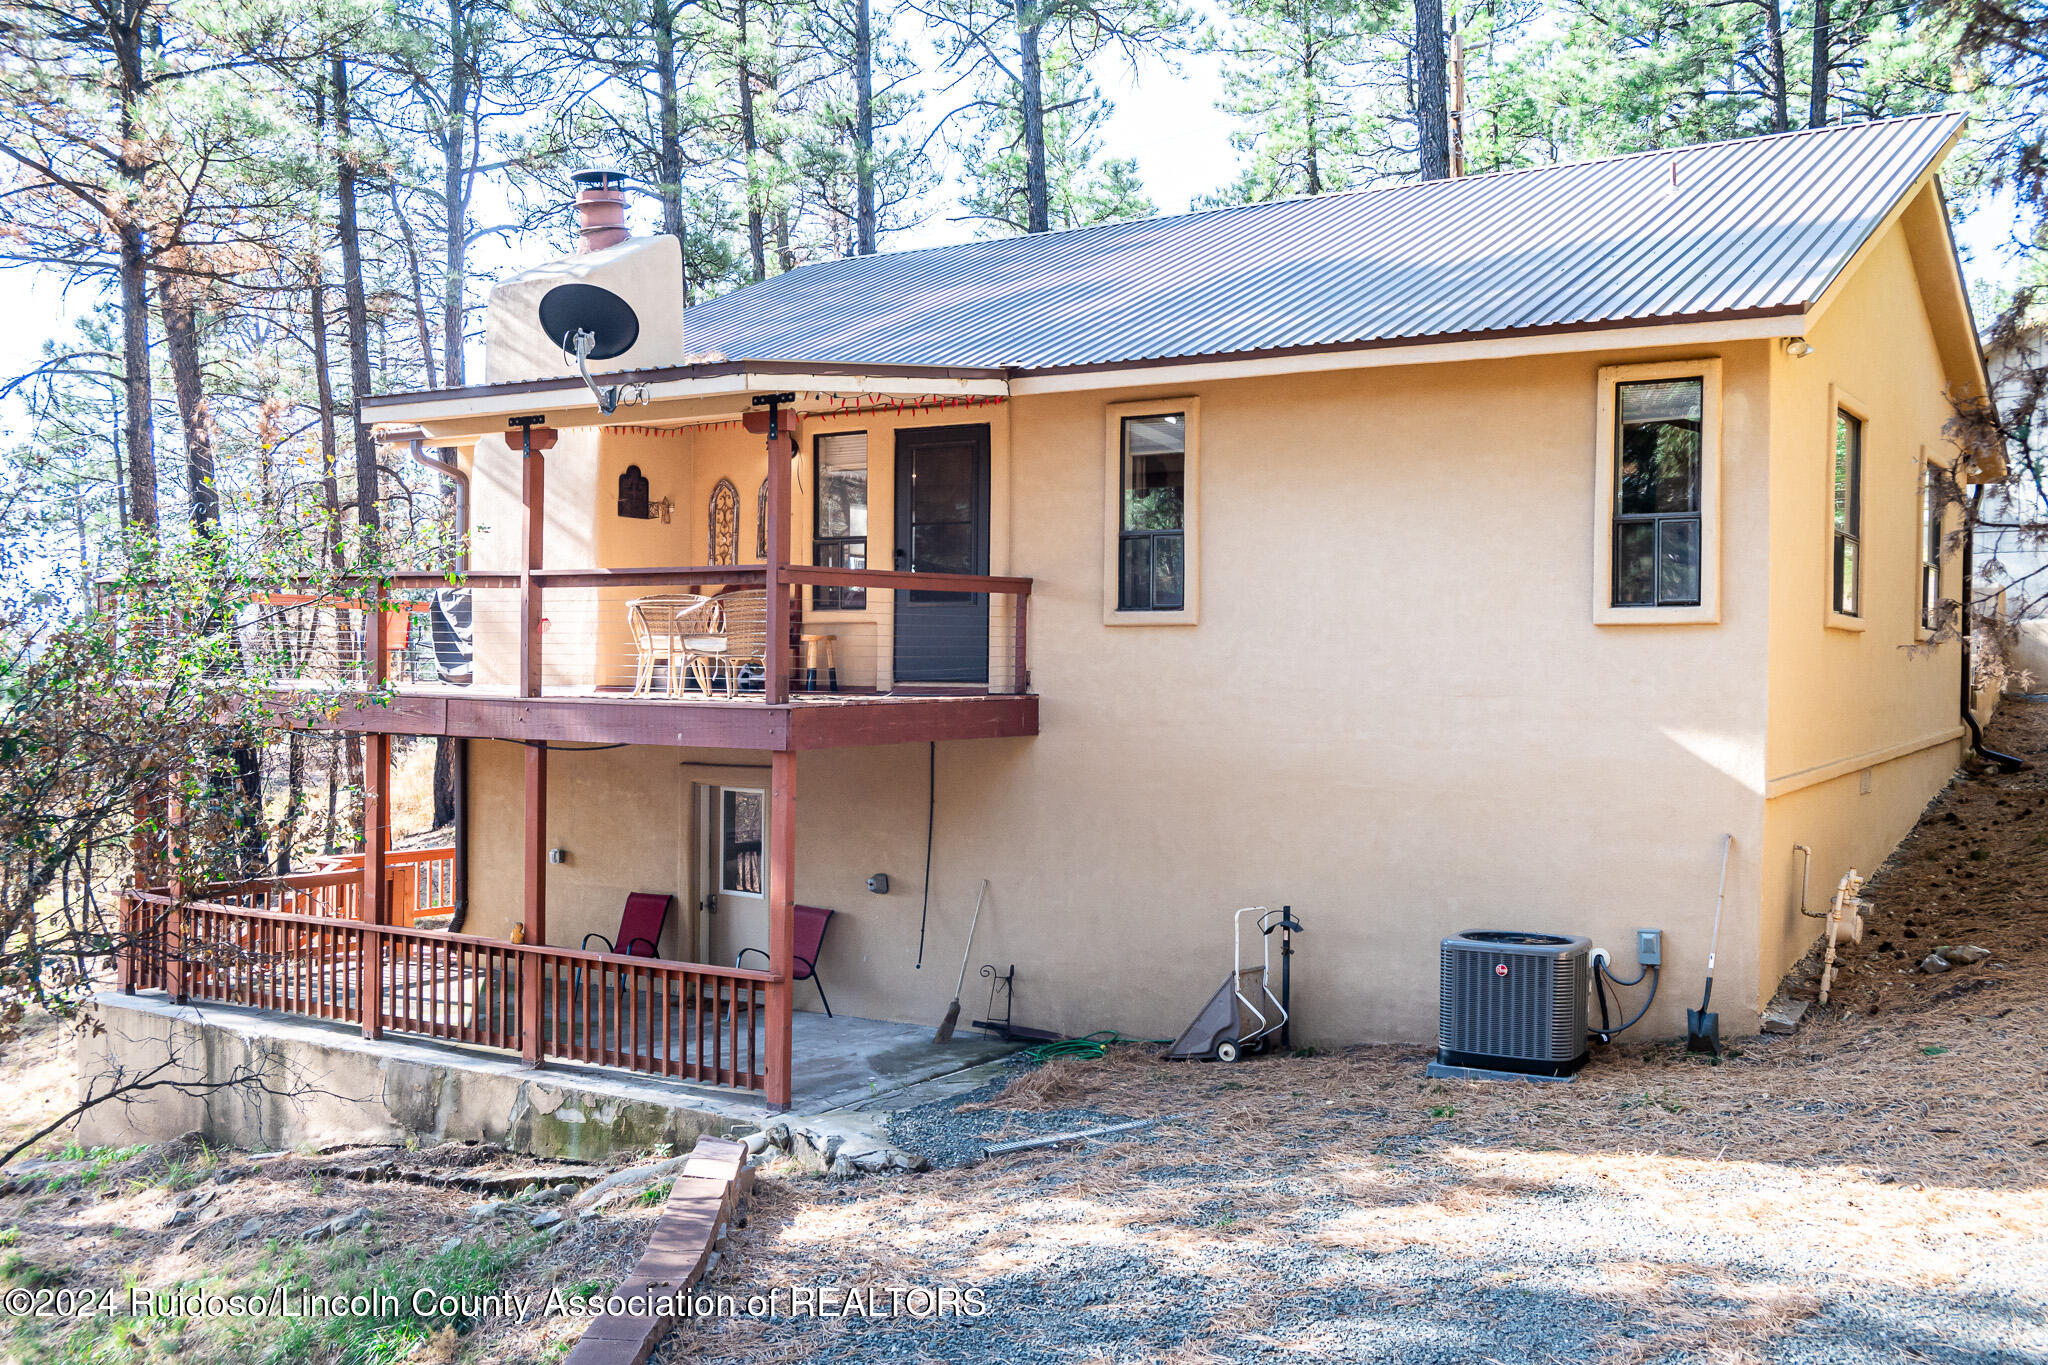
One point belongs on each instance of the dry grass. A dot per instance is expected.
(108, 1230)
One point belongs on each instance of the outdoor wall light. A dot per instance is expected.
(879, 883)
(1798, 347)
(558, 855)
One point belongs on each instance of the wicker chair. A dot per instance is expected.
(738, 637)
(659, 625)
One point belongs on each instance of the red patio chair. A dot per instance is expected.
(640, 925)
(810, 936)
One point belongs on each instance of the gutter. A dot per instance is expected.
(2005, 763)
(453, 471)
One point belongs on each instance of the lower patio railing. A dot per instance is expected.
(684, 1020)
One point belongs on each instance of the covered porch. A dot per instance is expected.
(562, 654)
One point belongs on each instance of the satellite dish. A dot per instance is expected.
(612, 324)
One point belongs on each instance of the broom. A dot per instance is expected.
(1703, 1028)
(945, 1033)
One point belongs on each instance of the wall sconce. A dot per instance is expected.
(1798, 347)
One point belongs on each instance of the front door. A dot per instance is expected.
(942, 527)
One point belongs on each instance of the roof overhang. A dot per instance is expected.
(681, 395)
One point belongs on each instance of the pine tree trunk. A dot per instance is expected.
(138, 433)
(357, 310)
(181, 344)
(444, 781)
(757, 243)
(1823, 38)
(294, 800)
(1432, 94)
(1037, 197)
(455, 190)
(1781, 112)
(669, 155)
(864, 129)
(419, 287)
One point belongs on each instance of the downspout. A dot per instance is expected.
(2006, 763)
(453, 471)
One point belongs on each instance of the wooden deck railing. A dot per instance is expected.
(684, 1020)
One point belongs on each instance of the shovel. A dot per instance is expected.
(1702, 1026)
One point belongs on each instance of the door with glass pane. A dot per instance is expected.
(942, 493)
(735, 872)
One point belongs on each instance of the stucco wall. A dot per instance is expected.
(1878, 699)
(1396, 715)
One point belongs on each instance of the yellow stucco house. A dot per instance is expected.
(1467, 554)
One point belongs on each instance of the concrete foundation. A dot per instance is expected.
(309, 1083)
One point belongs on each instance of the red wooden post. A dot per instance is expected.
(533, 440)
(375, 896)
(376, 892)
(535, 863)
(174, 916)
(781, 920)
(775, 683)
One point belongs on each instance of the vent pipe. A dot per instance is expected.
(600, 209)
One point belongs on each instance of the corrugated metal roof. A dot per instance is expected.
(1750, 227)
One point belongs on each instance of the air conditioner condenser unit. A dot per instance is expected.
(1514, 1001)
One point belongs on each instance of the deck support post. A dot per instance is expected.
(534, 440)
(776, 664)
(376, 892)
(534, 862)
(174, 917)
(781, 921)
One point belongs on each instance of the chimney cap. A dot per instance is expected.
(599, 178)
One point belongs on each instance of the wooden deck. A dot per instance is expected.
(809, 721)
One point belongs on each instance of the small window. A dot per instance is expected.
(840, 520)
(1151, 540)
(1848, 515)
(739, 841)
(1657, 488)
(1930, 548)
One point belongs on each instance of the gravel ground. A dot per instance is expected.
(952, 1132)
(1872, 1189)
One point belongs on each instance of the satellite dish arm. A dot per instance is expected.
(582, 341)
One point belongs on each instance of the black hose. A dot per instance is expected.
(931, 810)
(1602, 978)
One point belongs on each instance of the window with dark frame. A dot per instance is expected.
(1657, 482)
(1847, 557)
(1930, 549)
(1152, 529)
(840, 516)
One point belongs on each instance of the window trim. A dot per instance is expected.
(1923, 632)
(718, 813)
(811, 608)
(1840, 401)
(1114, 414)
(1605, 613)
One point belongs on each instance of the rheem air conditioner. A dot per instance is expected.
(1514, 1001)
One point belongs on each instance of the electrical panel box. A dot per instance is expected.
(1650, 947)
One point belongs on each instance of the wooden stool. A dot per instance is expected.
(818, 647)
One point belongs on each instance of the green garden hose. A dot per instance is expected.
(1087, 1049)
